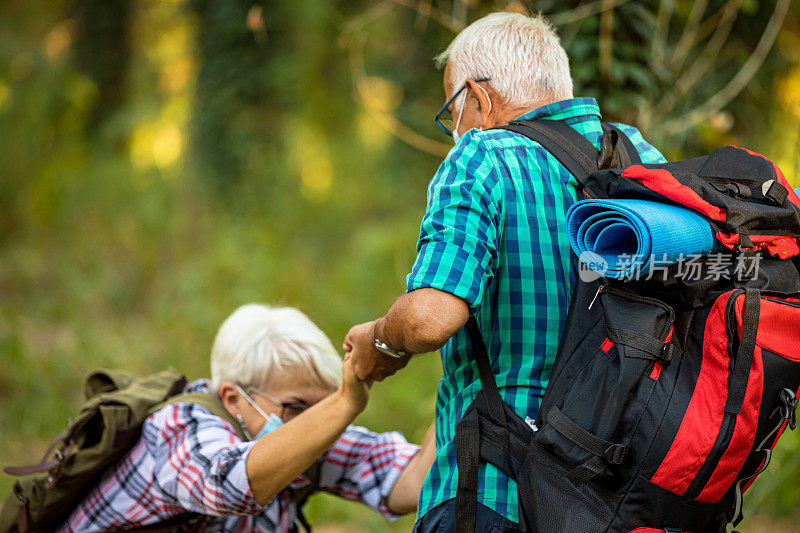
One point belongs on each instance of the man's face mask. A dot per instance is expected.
(441, 116)
(456, 136)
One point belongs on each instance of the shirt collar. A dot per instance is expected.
(564, 109)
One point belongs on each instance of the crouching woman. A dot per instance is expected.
(282, 382)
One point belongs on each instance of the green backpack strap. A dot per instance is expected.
(212, 402)
(302, 494)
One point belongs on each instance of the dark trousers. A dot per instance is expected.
(442, 519)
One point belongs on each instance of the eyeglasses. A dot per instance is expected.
(289, 410)
(444, 118)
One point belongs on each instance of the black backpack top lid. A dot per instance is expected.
(744, 196)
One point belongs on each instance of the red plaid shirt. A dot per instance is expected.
(189, 460)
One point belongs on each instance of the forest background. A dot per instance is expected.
(165, 161)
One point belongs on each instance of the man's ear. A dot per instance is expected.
(230, 397)
(487, 107)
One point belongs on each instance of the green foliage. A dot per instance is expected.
(652, 62)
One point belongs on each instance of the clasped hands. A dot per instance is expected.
(370, 364)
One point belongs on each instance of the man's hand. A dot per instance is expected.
(369, 363)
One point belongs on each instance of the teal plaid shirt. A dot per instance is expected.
(494, 234)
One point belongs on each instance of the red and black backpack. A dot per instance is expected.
(667, 395)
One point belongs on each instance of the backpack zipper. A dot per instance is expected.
(630, 295)
(725, 432)
(712, 461)
(784, 302)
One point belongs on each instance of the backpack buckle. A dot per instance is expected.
(615, 454)
(735, 190)
(745, 245)
(789, 407)
(666, 352)
(22, 498)
(774, 192)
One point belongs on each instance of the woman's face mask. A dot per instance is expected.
(272, 421)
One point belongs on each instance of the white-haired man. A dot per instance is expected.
(283, 384)
(493, 243)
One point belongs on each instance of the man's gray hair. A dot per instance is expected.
(256, 340)
(522, 54)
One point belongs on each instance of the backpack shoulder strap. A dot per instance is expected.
(468, 433)
(301, 495)
(574, 151)
(569, 147)
(210, 401)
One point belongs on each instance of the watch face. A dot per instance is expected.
(383, 348)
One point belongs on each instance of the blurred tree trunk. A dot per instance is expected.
(237, 100)
(102, 51)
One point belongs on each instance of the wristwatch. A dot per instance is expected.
(383, 347)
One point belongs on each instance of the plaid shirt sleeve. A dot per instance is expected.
(457, 245)
(199, 461)
(363, 466)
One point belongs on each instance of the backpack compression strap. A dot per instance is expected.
(615, 143)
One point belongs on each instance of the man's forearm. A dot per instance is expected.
(422, 321)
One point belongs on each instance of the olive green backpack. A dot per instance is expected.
(106, 428)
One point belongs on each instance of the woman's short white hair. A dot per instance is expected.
(522, 54)
(257, 340)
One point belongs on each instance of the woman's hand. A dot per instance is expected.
(354, 391)
(280, 456)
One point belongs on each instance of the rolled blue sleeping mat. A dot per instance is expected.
(624, 236)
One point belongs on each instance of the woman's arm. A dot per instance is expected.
(405, 493)
(280, 456)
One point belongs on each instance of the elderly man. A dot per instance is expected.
(493, 243)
